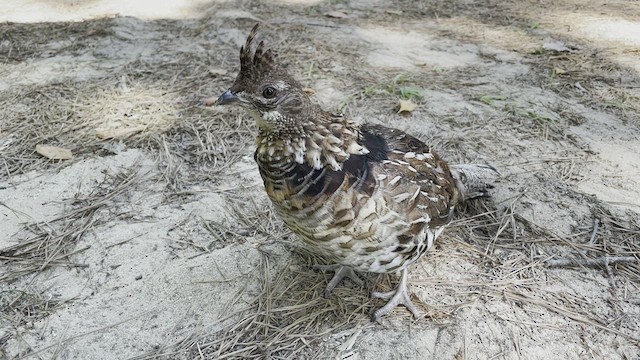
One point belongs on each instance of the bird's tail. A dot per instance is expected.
(473, 180)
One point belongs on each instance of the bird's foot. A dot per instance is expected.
(340, 273)
(399, 296)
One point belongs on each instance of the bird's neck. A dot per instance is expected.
(326, 141)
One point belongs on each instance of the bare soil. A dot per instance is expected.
(156, 240)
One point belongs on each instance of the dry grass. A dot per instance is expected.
(590, 78)
(288, 318)
(75, 116)
(136, 103)
(20, 307)
(53, 243)
(155, 107)
(515, 255)
(24, 45)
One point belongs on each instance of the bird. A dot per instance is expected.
(366, 197)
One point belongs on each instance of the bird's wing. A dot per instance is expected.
(414, 180)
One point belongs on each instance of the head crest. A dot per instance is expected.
(258, 61)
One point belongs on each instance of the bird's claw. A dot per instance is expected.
(340, 273)
(399, 296)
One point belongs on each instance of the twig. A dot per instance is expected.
(596, 226)
(123, 241)
(601, 261)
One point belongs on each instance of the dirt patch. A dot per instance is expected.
(157, 241)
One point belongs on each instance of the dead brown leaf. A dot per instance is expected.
(119, 133)
(54, 152)
(406, 106)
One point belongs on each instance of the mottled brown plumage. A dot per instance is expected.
(366, 197)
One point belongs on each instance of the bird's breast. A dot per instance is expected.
(344, 218)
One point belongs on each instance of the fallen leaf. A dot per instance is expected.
(336, 15)
(217, 72)
(119, 133)
(406, 106)
(54, 152)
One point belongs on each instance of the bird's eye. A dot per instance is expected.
(269, 92)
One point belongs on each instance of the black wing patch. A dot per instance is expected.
(358, 167)
(376, 144)
(311, 182)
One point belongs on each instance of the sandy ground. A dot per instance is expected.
(156, 240)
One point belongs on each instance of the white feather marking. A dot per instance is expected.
(272, 116)
(313, 158)
(416, 194)
(395, 180)
(357, 149)
(401, 197)
(348, 216)
(334, 164)
(410, 155)
(430, 238)
(381, 177)
(424, 219)
(368, 209)
(299, 155)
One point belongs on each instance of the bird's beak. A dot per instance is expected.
(227, 98)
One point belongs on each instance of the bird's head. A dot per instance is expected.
(267, 91)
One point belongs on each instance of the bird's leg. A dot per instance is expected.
(399, 296)
(340, 273)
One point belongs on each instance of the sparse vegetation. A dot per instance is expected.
(544, 262)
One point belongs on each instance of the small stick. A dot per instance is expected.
(596, 226)
(601, 261)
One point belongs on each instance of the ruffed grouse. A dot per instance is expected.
(366, 197)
